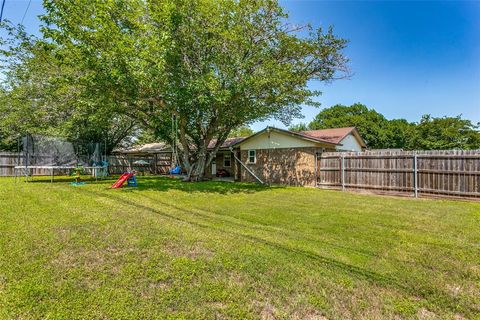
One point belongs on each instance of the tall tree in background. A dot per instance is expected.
(243, 131)
(212, 65)
(380, 133)
(445, 133)
(372, 125)
(299, 127)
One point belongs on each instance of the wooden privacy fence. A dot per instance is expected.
(416, 173)
(8, 160)
(159, 163)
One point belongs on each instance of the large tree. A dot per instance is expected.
(39, 95)
(380, 133)
(372, 125)
(445, 133)
(210, 65)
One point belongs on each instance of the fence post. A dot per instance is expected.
(415, 175)
(343, 172)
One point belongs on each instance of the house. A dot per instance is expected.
(158, 155)
(146, 149)
(279, 156)
(346, 139)
(285, 157)
(273, 155)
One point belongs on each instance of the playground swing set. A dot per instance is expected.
(131, 175)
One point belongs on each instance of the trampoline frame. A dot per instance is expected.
(26, 171)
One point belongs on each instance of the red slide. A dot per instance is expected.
(124, 177)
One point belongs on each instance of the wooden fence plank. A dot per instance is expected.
(440, 173)
(157, 164)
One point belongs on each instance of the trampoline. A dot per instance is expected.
(26, 171)
(50, 156)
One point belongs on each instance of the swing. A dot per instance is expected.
(178, 168)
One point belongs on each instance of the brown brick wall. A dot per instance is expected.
(289, 166)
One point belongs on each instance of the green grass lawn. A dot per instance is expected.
(169, 249)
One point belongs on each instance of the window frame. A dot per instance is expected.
(229, 160)
(254, 156)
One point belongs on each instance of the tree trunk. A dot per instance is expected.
(197, 158)
(197, 168)
(200, 164)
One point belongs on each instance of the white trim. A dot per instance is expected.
(254, 156)
(229, 159)
(214, 168)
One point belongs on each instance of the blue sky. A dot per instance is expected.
(408, 58)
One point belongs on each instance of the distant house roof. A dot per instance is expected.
(155, 147)
(158, 147)
(228, 143)
(291, 133)
(335, 135)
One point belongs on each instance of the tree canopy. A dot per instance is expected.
(372, 125)
(243, 131)
(298, 127)
(429, 133)
(211, 65)
(40, 94)
(445, 133)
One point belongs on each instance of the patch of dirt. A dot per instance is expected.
(454, 289)
(91, 260)
(266, 311)
(193, 251)
(236, 279)
(217, 305)
(309, 314)
(153, 288)
(426, 314)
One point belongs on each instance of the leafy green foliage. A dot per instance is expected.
(372, 125)
(243, 131)
(446, 133)
(298, 127)
(214, 65)
(41, 94)
(8, 142)
(380, 133)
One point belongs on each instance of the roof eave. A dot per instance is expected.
(286, 132)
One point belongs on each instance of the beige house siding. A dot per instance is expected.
(288, 166)
(275, 140)
(349, 143)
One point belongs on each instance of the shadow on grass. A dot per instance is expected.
(363, 273)
(160, 183)
(221, 187)
(428, 293)
(257, 225)
(65, 179)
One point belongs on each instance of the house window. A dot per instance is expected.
(252, 156)
(227, 160)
